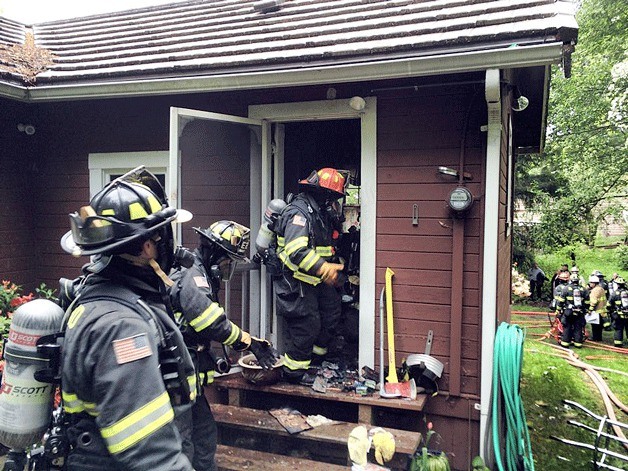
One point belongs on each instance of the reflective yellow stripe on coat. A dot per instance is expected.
(138, 425)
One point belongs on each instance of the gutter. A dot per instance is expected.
(514, 57)
(489, 272)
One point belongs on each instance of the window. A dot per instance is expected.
(105, 167)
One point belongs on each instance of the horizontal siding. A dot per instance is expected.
(417, 135)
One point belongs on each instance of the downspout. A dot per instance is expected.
(489, 276)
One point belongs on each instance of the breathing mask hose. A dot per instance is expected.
(507, 405)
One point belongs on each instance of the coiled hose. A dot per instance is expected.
(508, 414)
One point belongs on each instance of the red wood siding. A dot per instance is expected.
(415, 136)
(504, 239)
(17, 174)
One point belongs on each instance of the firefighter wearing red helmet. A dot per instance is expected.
(194, 298)
(125, 369)
(306, 293)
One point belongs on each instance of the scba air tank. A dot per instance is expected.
(25, 403)
(266, 234)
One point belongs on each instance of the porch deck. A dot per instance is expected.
(238, 391)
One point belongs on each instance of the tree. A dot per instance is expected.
(582, 177)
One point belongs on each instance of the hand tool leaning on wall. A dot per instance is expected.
(392, 388)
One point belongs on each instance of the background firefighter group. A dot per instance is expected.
(601, 304)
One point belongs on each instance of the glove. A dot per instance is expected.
(329, 272)
(359, 445)
(384, 445)
(266, 355)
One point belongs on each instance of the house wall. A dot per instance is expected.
(17, 174)
(417, 132)
(419, 129)
(504, 239)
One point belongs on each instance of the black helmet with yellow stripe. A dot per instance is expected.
(128, 210)
(230, 236)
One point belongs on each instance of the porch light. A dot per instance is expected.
(357, 103)
(29, 129)
(454, 173)
(521, 101)
(448, 171)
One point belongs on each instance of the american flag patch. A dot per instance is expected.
(131, 348)
(201, 282)
(298, 220)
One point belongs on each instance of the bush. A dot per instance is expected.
(621, 257)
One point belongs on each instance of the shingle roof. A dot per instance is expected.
(217, 37)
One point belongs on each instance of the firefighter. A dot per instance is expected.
(561, 281)
(618, 309)
(597, 305)
(194, 297)
(603, 282)
(576, 271)
(306, 292)
(125, 369)
(570, 310)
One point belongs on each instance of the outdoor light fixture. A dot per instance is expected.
(448, 171)
(521, 102)
(29, 129)
(357, 103)
(454, 173)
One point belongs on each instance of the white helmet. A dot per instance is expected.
(594, 279)
(575, 269)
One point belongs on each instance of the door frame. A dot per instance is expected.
(317, 111)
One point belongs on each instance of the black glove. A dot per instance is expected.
(266, 355)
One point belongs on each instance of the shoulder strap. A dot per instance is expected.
(128, 298)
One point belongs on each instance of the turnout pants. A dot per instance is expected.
(312, 314)
(198, 431)
(621, 324)
(573, 326)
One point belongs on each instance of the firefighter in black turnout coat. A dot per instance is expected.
(618, 310)
(306, 295)
(194, 298)
(571, 308)
(125, 368)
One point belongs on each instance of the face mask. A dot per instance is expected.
(224, 269)
(165, 248)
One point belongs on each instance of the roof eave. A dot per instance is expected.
(439, 64)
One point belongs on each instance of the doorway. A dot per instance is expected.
(301, 137)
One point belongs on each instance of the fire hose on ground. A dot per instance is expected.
(509, 428)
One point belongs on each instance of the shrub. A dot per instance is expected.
(621, 257)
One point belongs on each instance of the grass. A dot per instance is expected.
(548, 379)
(587, 259)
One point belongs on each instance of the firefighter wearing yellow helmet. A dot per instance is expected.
(306, 295)
(125, 367)
(194, 298)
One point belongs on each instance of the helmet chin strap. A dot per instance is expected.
(142, 262)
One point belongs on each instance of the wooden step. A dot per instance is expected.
(237, 386)
(322, 437)
(229, 458)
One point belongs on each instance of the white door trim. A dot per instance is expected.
(340, 109)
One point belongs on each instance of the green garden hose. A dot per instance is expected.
(512, 439)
